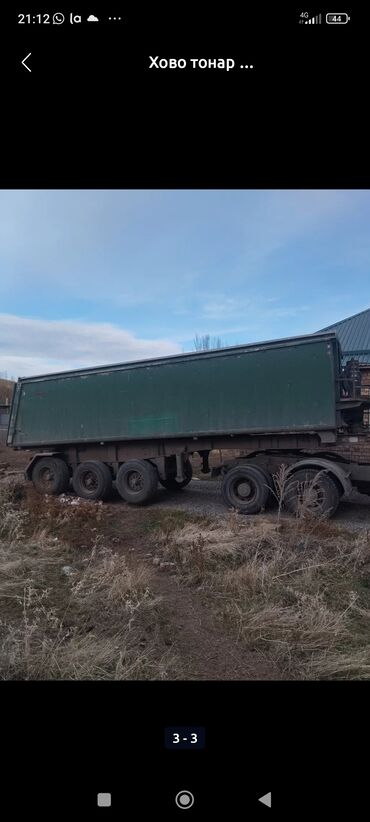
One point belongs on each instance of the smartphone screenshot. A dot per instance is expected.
(184, 412)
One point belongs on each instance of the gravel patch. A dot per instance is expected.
(204, 498)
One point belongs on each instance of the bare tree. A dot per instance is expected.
(204, 342)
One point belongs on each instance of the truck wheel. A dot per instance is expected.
(172, 483)
(137, 481)
(92, 480)
(245, 488)
(271, 499)
(50, 475)
(268, 478)
(308, 492)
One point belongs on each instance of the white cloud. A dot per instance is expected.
(29, 346)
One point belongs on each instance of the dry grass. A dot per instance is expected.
(69, 611)
(6, 390)
(296, 590)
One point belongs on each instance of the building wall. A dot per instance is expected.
(365, 376)
(365, 391)
(355, 451)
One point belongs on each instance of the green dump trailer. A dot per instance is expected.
(139, 423)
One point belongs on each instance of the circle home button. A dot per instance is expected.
(184, 800)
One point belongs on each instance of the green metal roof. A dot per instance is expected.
(354, 336)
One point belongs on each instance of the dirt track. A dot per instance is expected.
(205, 649)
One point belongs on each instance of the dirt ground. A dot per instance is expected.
(204, 652)
(190, 625)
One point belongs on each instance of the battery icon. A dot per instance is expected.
(337, 18)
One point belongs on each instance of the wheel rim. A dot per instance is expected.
(89, 481)
(243, 490)
(47, 477)
(135, 481)
(310, 495)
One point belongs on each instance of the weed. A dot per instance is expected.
(96, 622)
(294, 590)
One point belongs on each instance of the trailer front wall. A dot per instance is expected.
(276, 387)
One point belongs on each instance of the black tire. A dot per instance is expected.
(172, 483)
(50, 475)
(137, 481)
(245, 488)
(271, 498)
(92, 480)
(322, 493)
(268, 478)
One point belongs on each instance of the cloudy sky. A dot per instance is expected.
(92, 277)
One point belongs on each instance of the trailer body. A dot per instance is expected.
(280, 386)
(136, 424)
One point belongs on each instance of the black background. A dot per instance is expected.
(62, 743)
(92, 114)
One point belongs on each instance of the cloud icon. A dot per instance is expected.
(92, 19)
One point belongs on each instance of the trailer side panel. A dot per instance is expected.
(283, 386)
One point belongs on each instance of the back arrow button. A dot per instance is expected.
(266, 799)
(24, 61)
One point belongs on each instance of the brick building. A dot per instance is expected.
(354, 337)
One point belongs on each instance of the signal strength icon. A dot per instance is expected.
(312, 20)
